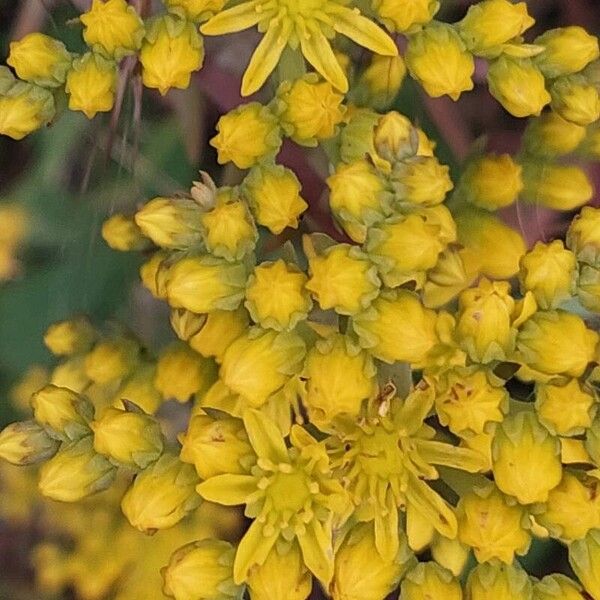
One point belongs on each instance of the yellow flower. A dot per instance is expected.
(430, 580)
(584, 558)
(450, 554)
(111, 359)
(23, 109)
(171, 51)
(405, 15)
(275, 295)
(91, 84)
(194, 10)
(72, 336)
(112, 27)
(381, 81)
(394, 137)
(139, 389)
(303, 23)
(549, 135)
(557, 587)
(438, 59)
(26, 443)
(290, 494)
(247, 135)
(583, 236)
(575, 100)
(153, 274)
(121, 233)
(497, 581)
(309, 109)
(421, 180)
(40, 59)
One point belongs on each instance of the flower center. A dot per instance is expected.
(298, 8)
(289, 491)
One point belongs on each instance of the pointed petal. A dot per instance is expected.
(438, 453)
(416, 407)
(265, 59)
(386, 530)
(363, 31)
(317, 550)
(227, 489)
(253, 549)
(265, 437)
(432, 506)
(238, 18)
(318, 53)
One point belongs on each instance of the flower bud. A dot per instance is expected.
(274, 197)
(181, 372)
(121, 233)
(26, 443)
(583, 236)
(575, 100)
(450, 554)
(161, 495)
(361, 573)
(430, 580)
(549, 136)
(71, 374)
(65, 413)
(170, 222)
(488, 25)
(405, 15)
(584, 558)
(204, 283)
(75, 472)
(113, 28)
(395, 137)
(557, 587)
(40, 59)
(139, 389)
(518, 85)
(421, 180)
(111, 359)
(526, 458)
(381, 81)
(216, 446)
(24, 108)
(260, 362)
(33, 379)
(588, 287)
(128, 437)
(201, 571)
(194, 10)
(154, 273)
(275, 295)
(566, 50)
(557, 343)
(171, 51)
(342, 278)
(497, 581)
(72, 336)
(309, 109)
(438, 59)
(247, 135)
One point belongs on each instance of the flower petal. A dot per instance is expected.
(387, 540)
(265, 437)
(317, 550)
(438, 453)
(318, 53)
(233, 19)
(227, 489)
(363, 31)
(253, 549)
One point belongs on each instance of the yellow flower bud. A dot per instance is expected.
(358, 197)
(584, 558)
(566, 50)
(170, 222)
(381, 81)
(247, 135)
(172, 50)
(127, 437)
(549, 135)
(342, 278)
(91, 84)
(438, 59)
(32, 380)
(229, 230)
(201, 570)
(139, 389)
(181, 372)
(186, 324)
(113, 28)
(26, 443)
(161, 495)
(404, 247)
(526, 458)
(194, 10)
(275, 295)
(121, 233)
(360, 573)
(588, 287)
(309, 109)
(466, 401)
(557, 587)
(72, 336)
(274, 196)
(575, 100)
(421, 180)
(216, 446)
(71, 374)
(154, 274)
(395, 138)
(260, 362)
(497, 581)
(405, 15)
(572, 508)
(488, 25)
(491, 181)
(583, 236)
(450, 554)
(399, 316)
(518, 85)
(564, 409)
(111, 359)
(63, 412)
(492, 526)
(430, 580)
(40, 59)
(23, 109)
(340, 375)
(549, 272)
(75, 472)
(204, 283)
(557, 343)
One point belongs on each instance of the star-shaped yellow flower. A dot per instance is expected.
(308, 24)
